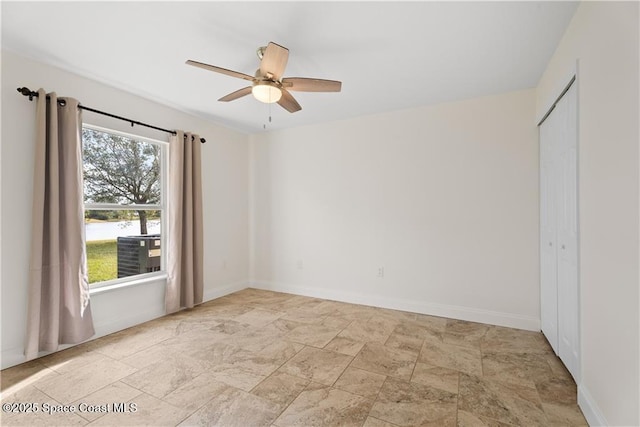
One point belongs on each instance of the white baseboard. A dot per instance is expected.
(442, 310)
(589, 408)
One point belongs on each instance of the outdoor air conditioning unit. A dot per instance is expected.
(138, 254)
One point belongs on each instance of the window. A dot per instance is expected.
(124, 187)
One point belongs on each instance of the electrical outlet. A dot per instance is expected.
(381, 272)
(299, 264)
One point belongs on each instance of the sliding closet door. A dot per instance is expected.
(548, 246)
(567, 227)
(559, 230)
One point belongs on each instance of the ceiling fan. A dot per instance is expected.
(268, 85)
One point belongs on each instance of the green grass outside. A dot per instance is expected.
(102, 260)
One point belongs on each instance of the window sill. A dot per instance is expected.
(124, 283)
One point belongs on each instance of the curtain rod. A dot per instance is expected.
(31, 94)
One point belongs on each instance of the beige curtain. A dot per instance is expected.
(58, 302)
(185, 283)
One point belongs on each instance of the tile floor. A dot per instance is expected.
(265, 358)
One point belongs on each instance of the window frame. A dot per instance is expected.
(116, 283)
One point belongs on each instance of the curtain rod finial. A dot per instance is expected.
(27, 92)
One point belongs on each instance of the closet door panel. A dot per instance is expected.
(548, 246)
(567, 233)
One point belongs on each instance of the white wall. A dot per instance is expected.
(444, 198)
(603, 36)
(225, 186)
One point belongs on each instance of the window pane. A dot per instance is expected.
(118, 169)
(122, 243)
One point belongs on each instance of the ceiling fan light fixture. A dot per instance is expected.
(266, 92)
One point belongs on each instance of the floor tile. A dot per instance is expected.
(237, 367)
(280, 388)
(304, 316)
(18, 377)
(411, 329)
(70, 359)
(507, 340)
(370, 330)
(344, 345)
(518, 368)
(357, 312)
(336, 322)
(162, 378)
(410, 404)
(433, 323)
(315, 335)
(564, 415)
(557, 390)
(130, 341)
(218, 352)
(325, 407)
(329, 307)
(258, 317)
(229, 326)
(467, 419)
(226, 310)
(149, 356)
(144, 410)
(193, 394)
(317, 365)
(363, 383)
(237, 376)
(71, 386)
(437, 377)
(285, 326)
(30, 394)
(377, 358)
(233, 407)
(193, 340)
(505, 402)
(280, 351)
(558, 369)
(115, 392)
(374, 422)
(397, 315)
(465, 334)
(404, 343)
(450, 356)
(255, 339)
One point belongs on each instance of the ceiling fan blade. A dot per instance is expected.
(288, 102)
(274, 60)
(303, 84)
(237, 94)
(220, 70)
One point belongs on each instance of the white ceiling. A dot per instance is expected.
(389, 55)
